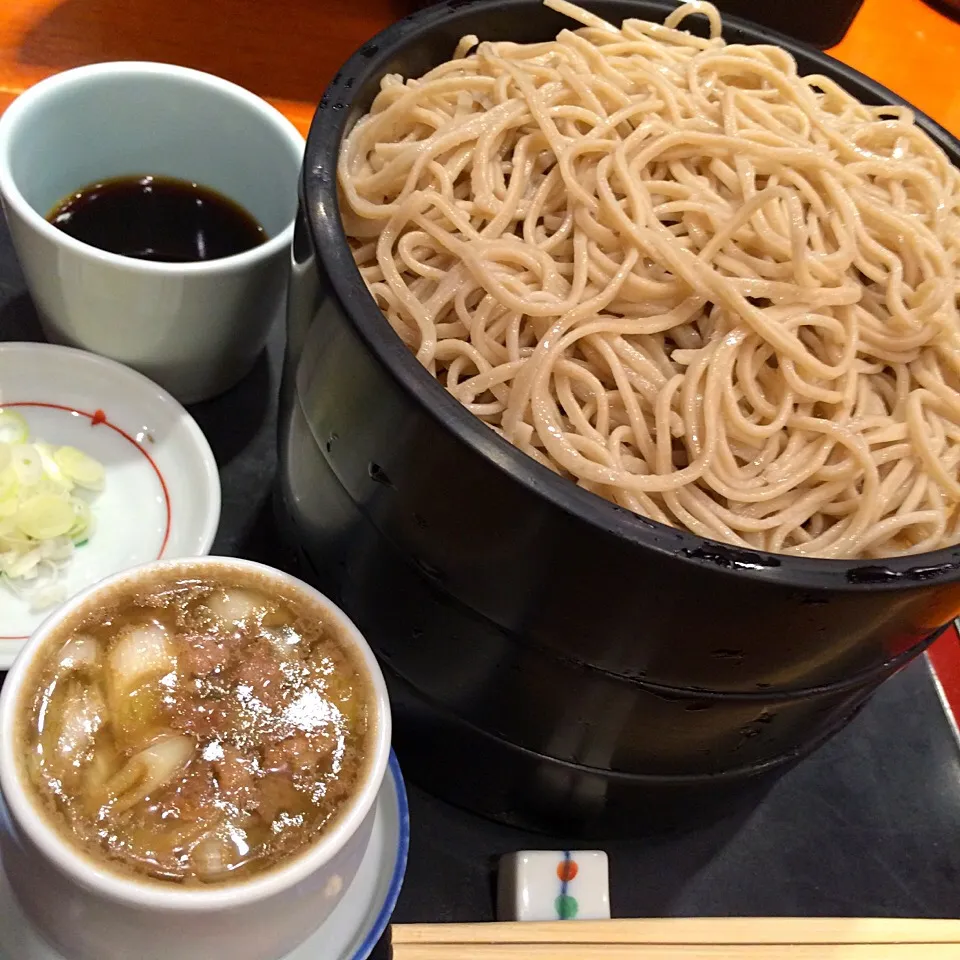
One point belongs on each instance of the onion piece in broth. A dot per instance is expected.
(141, 656)
(80, 654)
(234, 605)
(142, 653)
(213, 856)
(84, 713)
(151, 769)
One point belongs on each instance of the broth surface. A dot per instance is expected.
(196, 730)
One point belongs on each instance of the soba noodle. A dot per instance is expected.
(700, 285)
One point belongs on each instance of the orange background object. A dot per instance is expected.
(288, 50)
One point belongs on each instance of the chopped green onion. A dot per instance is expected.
(45, 516)
(44, 510)
(83, 470)
(27, 464)
(13, 428)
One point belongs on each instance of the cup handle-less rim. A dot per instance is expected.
(19, 111)
(85, 871)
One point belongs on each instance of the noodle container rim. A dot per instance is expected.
(87, 872)
(118, 70)
(319, 190)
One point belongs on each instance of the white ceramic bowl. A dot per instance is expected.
(91, 913)
(162, 493)
(196, 328)
(350, 932)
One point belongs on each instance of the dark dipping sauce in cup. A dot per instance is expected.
(157, 218)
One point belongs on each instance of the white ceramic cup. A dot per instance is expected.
(194, 328)
(91, 913)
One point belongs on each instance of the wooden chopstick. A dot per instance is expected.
(693, 930)
(676, 951)
(702, 938)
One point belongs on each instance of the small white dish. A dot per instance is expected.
(162, 493)
(349, 933)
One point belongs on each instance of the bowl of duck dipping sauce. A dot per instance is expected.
(190, 752)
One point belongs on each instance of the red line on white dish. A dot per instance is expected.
(99, 419)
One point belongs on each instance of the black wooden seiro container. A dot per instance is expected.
(555, 661)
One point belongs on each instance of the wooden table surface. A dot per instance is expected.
(288, 50)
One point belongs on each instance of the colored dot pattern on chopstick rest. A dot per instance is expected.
(553, 885)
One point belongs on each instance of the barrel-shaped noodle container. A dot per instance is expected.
(555, 661)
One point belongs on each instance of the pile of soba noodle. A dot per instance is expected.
(673, 270)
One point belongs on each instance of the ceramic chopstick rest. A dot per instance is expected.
(553, 885)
